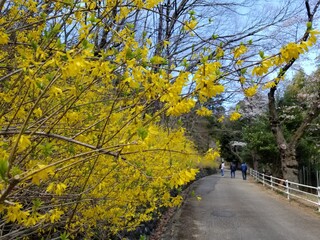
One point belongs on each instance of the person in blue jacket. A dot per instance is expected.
(244, 170)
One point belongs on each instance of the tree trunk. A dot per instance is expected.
(289, 164)
(235, 153)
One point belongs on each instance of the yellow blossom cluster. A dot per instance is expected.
(238, 51)
(206, 79)
(190, 25)
(235, 116)
(287, 53)
(204, 112)
(251, 91)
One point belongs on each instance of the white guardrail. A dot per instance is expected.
(290, 189)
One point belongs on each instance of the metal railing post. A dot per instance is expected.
(318, 198)
(287, 187)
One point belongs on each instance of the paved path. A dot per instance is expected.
(237, 209)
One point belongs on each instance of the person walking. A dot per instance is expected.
(244, 170)
(233, 169)
(222, 168)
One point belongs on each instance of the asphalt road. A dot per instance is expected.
(238, 209)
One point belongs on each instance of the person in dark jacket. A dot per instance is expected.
(233, 169)
(244, 170)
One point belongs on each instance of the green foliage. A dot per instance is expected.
(37, 203)
(4, 165)
(293, 108)
(143, 237)
(260, 140)
(261, 54)
(64, 236)
(229, 131)
(308, 151)
(293, 89)
(142, 133)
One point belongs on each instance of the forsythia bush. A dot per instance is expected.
(82, 147)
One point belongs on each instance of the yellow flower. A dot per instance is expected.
(14, 213)
(251, 91)
(220, 119)
(4, 38)
(269, 85)
(204, 112)
(55, 215)
(24, 143)
(181, 107)
(151, 3)
(239, 51)
(242, 79)
(235, 116)
(219, 52)
(56, 91)
(239, 62)
(38, 112)
(188, 26)
(60, 188)
(157, 60)
(42, 174)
